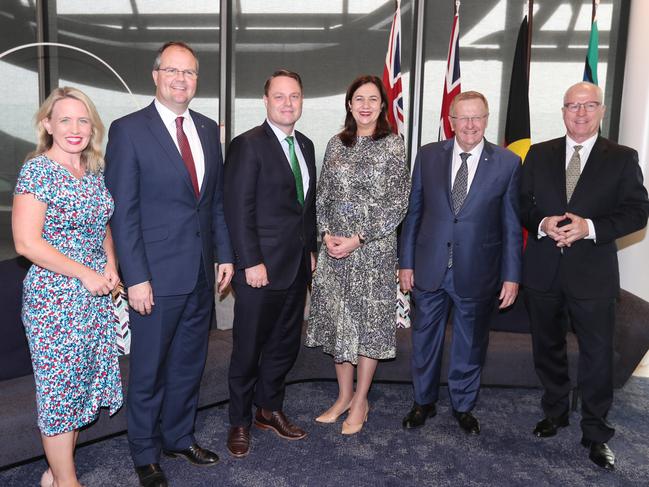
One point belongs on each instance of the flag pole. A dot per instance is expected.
(530, 15)
(593, 15)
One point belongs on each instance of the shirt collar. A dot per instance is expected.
(279, 133)
(475, 152)
(168, 117)
(586, 144)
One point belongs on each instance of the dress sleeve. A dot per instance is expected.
(34, 178)
(323, 193)
(386, 212)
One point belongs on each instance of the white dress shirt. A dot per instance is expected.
(281, 136)
(169, 119)
(472, 162)
(584, 154)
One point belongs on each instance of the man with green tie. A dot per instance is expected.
(270, 210)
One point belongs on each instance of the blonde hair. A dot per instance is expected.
(91, 155)
(468, 95)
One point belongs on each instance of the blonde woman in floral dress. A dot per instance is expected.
(60, 214)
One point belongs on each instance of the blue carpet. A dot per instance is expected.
(383, 454)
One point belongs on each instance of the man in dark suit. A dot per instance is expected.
(164, 169)
(270, 209)
(460, 247)
(579, 193)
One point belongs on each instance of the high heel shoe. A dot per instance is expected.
(330, 416)
(352, 429)
(47, 479)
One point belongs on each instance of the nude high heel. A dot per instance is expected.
(330, 416)
(47, 479)
(352, 429)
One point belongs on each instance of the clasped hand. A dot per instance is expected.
(100, 284)
(340, 247)
(565, 235)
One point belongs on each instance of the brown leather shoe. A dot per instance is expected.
(239, 441)
(279, 423)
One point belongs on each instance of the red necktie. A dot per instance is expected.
(186, 153)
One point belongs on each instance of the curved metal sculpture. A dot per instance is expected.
(74, 48)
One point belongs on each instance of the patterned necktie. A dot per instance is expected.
(458, 193)
(295, 167)
(573, 171)
(186, 153)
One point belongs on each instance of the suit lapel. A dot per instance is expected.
(279, 158)
(310, 164)
(160, 132)
(481, 176)
(557, 162)
(447, 157)
(204, 136)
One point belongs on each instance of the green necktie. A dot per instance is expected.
(295, 167)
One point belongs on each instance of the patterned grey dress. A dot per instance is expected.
(364, 190)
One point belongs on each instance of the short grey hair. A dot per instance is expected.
(586, 84)
(180, 44)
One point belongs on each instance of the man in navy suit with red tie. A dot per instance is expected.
(270, 209)
(460, 249)
(165, 171)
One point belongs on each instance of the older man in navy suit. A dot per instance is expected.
(460, 249)
(165, 171)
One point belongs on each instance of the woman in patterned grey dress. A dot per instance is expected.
(362, 197)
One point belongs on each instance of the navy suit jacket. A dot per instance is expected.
(266, 222)
(609, 192)
(486, 233)
(161, 230)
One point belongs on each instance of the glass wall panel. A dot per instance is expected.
(126, 35)
(19, 72)
(488, 32)
(328, 43)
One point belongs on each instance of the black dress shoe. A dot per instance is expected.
(549, 426)
(600, 454)
(417, 416)
(151, 475)
(195, 454)
(467, 422)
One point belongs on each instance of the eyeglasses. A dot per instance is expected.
(464, 120)
(589, 106)
(173, 72)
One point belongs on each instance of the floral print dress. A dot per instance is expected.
(70, 332)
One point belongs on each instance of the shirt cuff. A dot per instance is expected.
(591, 230)
(540, 233)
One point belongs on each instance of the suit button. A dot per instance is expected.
(455, 220)
(198, 234)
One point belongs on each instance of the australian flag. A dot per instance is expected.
(392, 75)
(451, 79)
